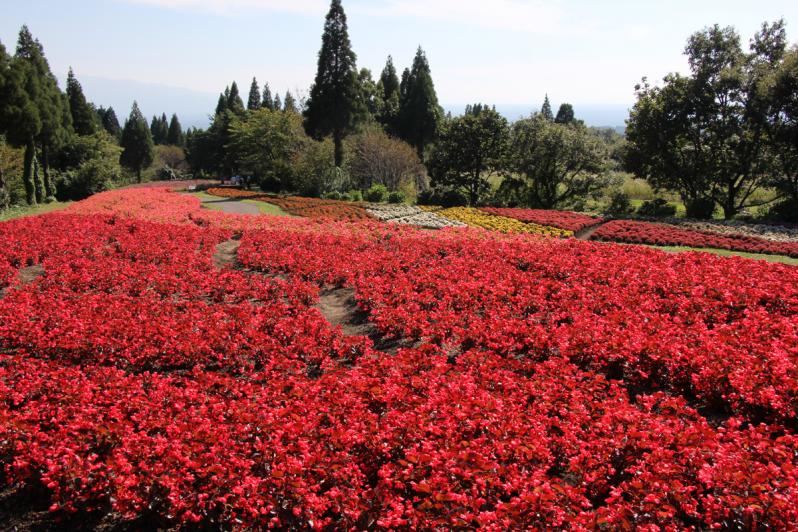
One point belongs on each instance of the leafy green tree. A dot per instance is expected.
(110, 122)
(84, 118)
(234, 102)
(265, 145)
(565, 114)
(335, 105)
(175, 136)
(419, 113)
(369, 93)
(554, 164)
(89, 164)
(785, 127)
(705, 136)
(470, 148)
(546, 110)
(254, 100)
(268, 101)
(137, 146)
(289, 104)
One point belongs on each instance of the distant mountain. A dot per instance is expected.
(597, 115)
(192, 107)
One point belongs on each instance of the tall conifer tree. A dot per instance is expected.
(546, 110)
(84, 119)
(137, 147)
(268, 102)
(419, 113)
(254, 100)
(335, 107)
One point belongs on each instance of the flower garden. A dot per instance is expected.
(535, 383)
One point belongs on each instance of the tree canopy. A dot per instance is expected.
(137, 145)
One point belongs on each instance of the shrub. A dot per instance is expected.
(701, 208)
(376, 194)
(334, 195)
(657, 208)
(445, 197)
(355, 195)
(785, 211)
(619, 205)
(396, 197)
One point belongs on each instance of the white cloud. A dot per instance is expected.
(537, 16)
(229, 7)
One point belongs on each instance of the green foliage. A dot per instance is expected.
(110, 122)
(335, 106)
(388, 89)
(619, 205)
(254, 100)
(470, 148)
(419, 112)
(565, 114)
(333, 195)
(159, 129)
(545, 110)
(137, 145)
(93, 168)
(700, 208)
(289, 103)
(443, 196)
(376, 194)
(706, 135)
(84, 118)
(268, 102)
(174, 136)
(234, 102)
(784, 130)
(278, 104)
(784, 211)
(657, 208)
(556, 163)
(354, 195)
(315, 170)
(396, 197)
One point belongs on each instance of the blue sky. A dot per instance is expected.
(508, 52)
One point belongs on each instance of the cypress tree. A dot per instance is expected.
(52, 107)
(110, 122)
(419, 113)
(254, 101)
(334, 107)
(84, 119)
(175, 136)
(391, 96)
(565, 114)
(546, 110)
(163, 128)
(234, 101)
(289, 104)
(268, 103)
(137, 147)
(389, 79)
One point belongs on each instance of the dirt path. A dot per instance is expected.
(25, 276)
(587, 232)
(226, 253)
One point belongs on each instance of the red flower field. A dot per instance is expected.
(504, 382)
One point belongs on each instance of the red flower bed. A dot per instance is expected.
(635, 232)
(319, 208)
(235, 193)
(570, 221)
(551, 384)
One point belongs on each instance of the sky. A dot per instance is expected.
(179, 54)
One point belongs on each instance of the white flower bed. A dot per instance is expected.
(390, 212)
(773, 233)
(427, 219)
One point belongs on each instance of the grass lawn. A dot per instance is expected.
(18, 211)
(264, 208)
(726, 253)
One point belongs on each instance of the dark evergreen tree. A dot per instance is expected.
(289, 104)
(391, 96)
(254, 101)
(234, 102)
(335, 107)
(419, 113)
(404, 84)
(278, 104)
(110, 122)
(565, 114)
(137, 146)
(52, 108)
(546, 110)
(221, 105)
(175, 135)
(268, 102)
(84, 119)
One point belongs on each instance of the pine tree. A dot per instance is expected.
(268, 102)
(334, 107)
(234, 102)
(546, 110)
(391, 96)
(565, 114)
(278, 104)
(137, 146)
(419, 113)
(175, 136)
(110, 122)
(159, 129)
(84, 119)
(221, 105)
(52, 110)
(289, 103)
(254, 101)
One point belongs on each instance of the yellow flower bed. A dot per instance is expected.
(430, 208)
(477, 218)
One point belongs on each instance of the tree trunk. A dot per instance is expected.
(338, 141)
(138, 175)
(49, 189)
(3, 194)
(27, 175)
